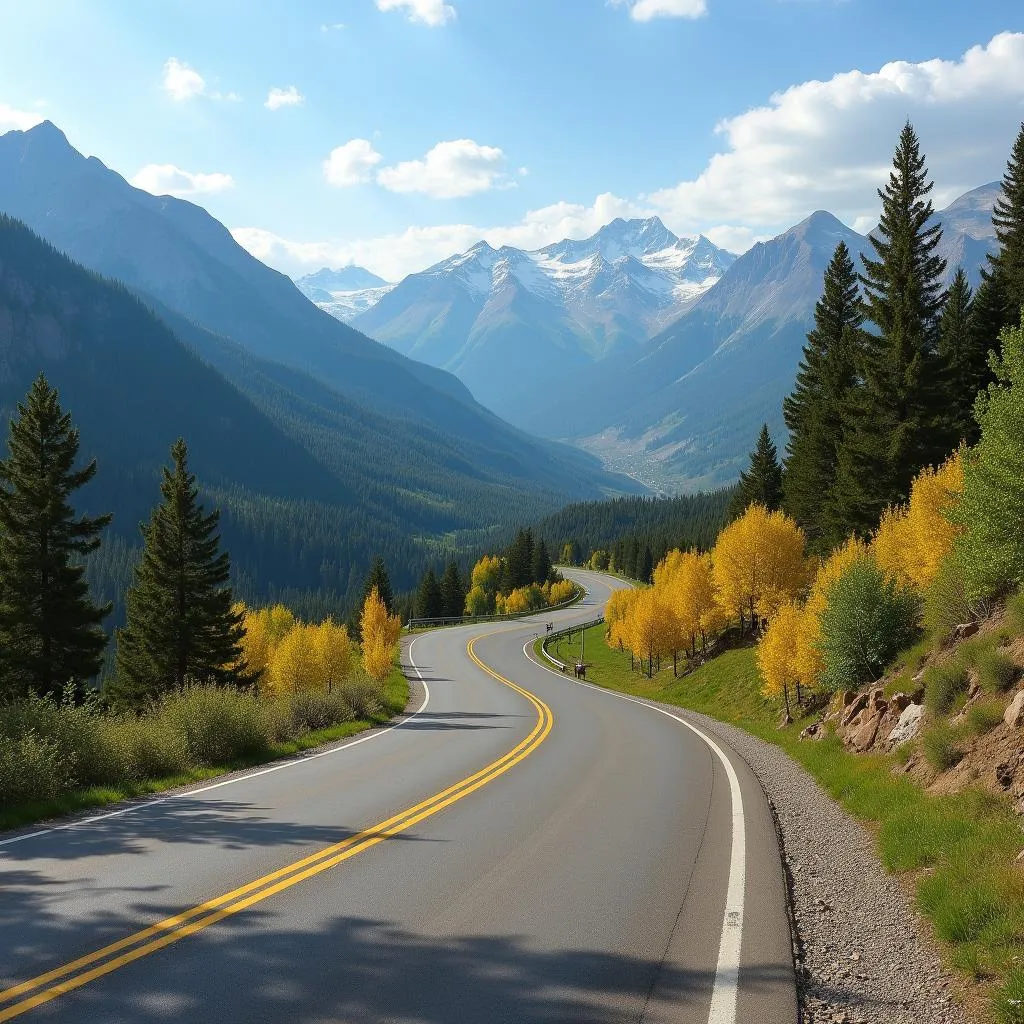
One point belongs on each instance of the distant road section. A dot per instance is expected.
(521, 849)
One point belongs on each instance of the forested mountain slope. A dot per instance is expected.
(187, 263)
(310, 494)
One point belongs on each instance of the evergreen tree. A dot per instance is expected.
(645, 566)
(378, 577)
(520, 560)
(453, 591)
(814, 411)
(1006, 266)
(180, 628)
(541, 562)
(891, 424)
(50, 633)
(763, 480)
(964, 361)
(429, 601)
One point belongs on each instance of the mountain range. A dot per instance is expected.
(662, 355)
(499, 318)
(390, 454)
(344, 293)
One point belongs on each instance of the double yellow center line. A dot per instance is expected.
(28, 995)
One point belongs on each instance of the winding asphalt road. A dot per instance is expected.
(520, 849)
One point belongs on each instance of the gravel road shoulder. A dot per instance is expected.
(863, 953)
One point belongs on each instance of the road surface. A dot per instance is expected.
(521, 849)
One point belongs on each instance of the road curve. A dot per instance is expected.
(522, 849)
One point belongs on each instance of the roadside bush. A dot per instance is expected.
(153, 747)
(33, 768)
(943, 686)
(996, 670)
(309, 711)
(941, 745)
(363, 695)
(868, 617)
(219, 725)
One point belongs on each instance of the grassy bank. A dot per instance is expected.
(82, 760)
(958, 852)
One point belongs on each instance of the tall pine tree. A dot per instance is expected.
(1006, 266)
(541, 562)
(964, 360)
(180, 627)
(892, 426)
(429, 601)
(814, 411)
(762, 482)
(50, 632)
(378, 577)
(453, 591)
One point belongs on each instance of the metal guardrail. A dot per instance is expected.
(468, 620)
(568, 631)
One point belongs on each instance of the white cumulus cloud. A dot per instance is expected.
(351, 164)
(817, 145)
(168, 180)
(20, 120)
(648, 10)
(393, 256)
(278, 98)
(430, 12)
(829, 145)
(461, 167)
(182, 82)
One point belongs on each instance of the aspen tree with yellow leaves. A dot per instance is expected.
(758, 564)
(615, 611)
(648, 629)
(380, 632)
(776, 653)
(265, 628)
(295, 666)
(913, 540)
(333, 650)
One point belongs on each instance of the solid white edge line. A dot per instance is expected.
(725, 992)
(291, 763)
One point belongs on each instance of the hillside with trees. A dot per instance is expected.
(877, 574)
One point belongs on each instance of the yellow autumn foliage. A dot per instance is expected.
(380, 632)
(776, 652)
(912, 540)
(560, 592)
(758, 563)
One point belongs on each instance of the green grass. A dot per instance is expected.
(395, 696)
(960, 850)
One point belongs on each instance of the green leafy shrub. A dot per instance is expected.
(867, 619)
(219, 724)
(941, 745)
(32, 768)
(310, 710)
(996, 670)
(363, 695)
(990, 550)
(943, 686)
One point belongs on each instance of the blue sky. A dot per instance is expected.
(520, 120)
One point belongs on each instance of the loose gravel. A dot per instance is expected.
(863, 953)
